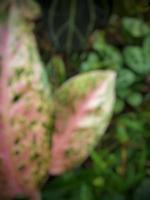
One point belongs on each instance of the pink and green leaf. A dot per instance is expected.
(84, 107)
(25, 109)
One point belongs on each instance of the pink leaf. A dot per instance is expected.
(24, 112)
(83, 109)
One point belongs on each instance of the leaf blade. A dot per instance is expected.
(83, 110)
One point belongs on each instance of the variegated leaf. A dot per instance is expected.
(25, 109)
(83, 109)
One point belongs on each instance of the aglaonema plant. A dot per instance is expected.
(81, 107)
(25, 109)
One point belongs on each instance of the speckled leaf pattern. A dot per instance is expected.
(25, 109)
(84, 107)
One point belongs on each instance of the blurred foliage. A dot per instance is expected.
(119, 168)
(137, 58)
(71, 21)
(106, 56)
(135, 27)
(131, 7)
(56, 71)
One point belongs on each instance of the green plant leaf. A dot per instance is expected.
(135, 99)
(125, 79)
(109, 56)
(92, 63)
(56, 71)
(134, 59)
(135, 27)
(122, 134)
(119, 106)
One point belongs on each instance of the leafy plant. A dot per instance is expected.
(119, 166)
(137, 58)
(82, 104)
(30, 114)
(25, 119)
(135, 27)
(56, 71)
(103, 56)
(124, 148)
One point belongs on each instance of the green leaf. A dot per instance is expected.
(119, 106)
(134, 59)
(93, 57)
(135, 27)
(122, 135)
(123, 92)
(99, 182)
(125, 78)
(56, 71)
(92, 63)
(109, 56)
(98, 40)
(135, 99)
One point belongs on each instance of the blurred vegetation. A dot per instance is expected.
(119, 168)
